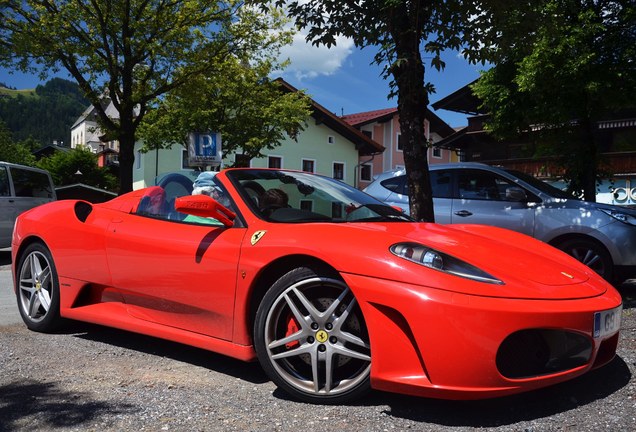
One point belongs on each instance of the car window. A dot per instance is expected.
(442, 184)
(31, 184)
(483, 185)
(396, 185)
(158, 203)
(4, 182)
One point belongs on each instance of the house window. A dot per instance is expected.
(338, 170)
(241, 160)
(184, 159)
(331, 139)
(336, 210)
(437, 152)
(307, 205)
(138, 160)
(274, 162)
(308, 165)
(369, 134)
(399, 142)
(366, 172)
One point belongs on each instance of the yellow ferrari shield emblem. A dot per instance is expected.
(257, 236)
(322, 336)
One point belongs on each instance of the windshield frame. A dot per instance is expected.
(311, 198)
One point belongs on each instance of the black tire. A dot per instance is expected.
(38, 289)
(592, 254)
(311, 338)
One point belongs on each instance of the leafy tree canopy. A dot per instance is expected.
(575, 67)
(401, 31)
(131, 52)
(10, 151)
(239, 100)
(78, 165)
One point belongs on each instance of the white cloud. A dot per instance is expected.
(309, 61)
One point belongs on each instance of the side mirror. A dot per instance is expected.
(516, 194)
(205, 206)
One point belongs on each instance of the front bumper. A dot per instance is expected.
(437, 343)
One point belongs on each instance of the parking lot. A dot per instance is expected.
(88, 377)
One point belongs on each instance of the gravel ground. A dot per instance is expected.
(91, 378)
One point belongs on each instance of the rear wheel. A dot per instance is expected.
(591, 254)
(38, 291)
(311, 338)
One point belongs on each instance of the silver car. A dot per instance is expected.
(599, 235)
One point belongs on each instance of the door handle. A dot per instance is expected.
(463, 213)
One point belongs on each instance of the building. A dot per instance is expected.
(327, 145)
(383, 127)
(616, 135)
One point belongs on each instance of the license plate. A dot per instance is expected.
(607, 322)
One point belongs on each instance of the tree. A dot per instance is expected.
(19, 153)
(250, 111)
(78, 165)
(131, 52)
(560, 79)
(399, 29)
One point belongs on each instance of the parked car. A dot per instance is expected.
(601, 236)
(331, 290)
(21, 188)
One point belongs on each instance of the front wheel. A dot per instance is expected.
(311, 338)
(591, 254)
(38, 291)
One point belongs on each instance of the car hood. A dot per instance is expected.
(528, 268)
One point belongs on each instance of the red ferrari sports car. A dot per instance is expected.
(332, 291)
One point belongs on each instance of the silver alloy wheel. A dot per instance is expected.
(316, 338)
(35, 286)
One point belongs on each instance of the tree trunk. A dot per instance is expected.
(590, 161)
(408, 73)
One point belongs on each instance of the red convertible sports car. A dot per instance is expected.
(332, 291)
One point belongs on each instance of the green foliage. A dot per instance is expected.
(250, 111)
(11, 151)
(64, 167)
(130, 53)
(402, 32)
(45, 114)
(576, 66)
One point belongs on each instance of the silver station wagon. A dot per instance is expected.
(21, 188)
(599, 235)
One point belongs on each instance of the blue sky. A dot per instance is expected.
(342, 79)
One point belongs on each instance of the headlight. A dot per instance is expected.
(621, 216)
(440, 261)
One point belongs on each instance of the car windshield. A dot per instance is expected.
(290, 196)
(541, 185)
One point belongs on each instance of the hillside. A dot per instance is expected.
(45, 113)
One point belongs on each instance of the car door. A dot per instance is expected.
(7, 209)
(485, 197)
(175, 273)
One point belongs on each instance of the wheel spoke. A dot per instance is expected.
(313, 312)
(329, 364)
(45, 299)
(337, 303)
(34, 305)
(284, 341)
(340, 349)
(303, 349)
(353, 339)
(302, 319)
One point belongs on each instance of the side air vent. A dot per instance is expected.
(82, 210)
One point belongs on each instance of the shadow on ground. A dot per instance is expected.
(509, 410)
(28, 402)
(250, 372)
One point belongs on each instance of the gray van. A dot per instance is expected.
(21, 188)
(599, 235)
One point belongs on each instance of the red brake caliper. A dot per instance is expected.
(292, 327)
